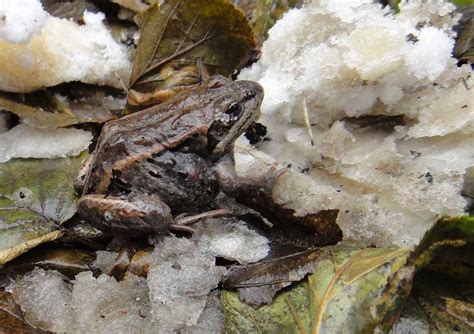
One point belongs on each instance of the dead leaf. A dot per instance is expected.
(73, 10)
(213, 31)
(11, 317)
(135, 5)
(320, 228)
(263, 14)
(464, 47)
(67, 260)
(258, 283)
(64, 105)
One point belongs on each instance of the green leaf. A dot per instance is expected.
(439, 303)
(347, 282)
(36, 195)
(212, 31)
(448, 247)
(447, 233)
(442, 289)
(462, 2)
(334, 299)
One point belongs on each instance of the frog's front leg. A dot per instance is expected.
(235, 185)
(126, 215)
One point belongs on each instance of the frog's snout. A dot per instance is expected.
(253, 90)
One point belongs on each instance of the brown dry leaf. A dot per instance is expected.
(67, 260)
(319, 227)
(263, 14)
(212, 31)
(64, 105)
(135, 5)
(259, 282)
(464, 48)
(11, 317)
(73, 10)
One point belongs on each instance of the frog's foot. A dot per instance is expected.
(121, 263)
(267, 181)
(234, 185)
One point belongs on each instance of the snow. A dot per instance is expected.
(21, 20)
(105, 261)
(24, 141)
(232, 240)
(428, 57)
(61, 51)
(176, 296)
(103, 305)
(211, 320)
(345, 61)
(45, 299)
(90, 305)
(179, 282)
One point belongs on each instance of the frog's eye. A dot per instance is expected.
(234, 110)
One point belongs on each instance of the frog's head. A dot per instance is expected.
(238, 108)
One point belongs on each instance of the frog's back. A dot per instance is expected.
(137, 137)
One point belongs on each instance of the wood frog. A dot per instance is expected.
(171, 159)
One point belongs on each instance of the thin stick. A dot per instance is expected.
(205, 215)
(306, 120)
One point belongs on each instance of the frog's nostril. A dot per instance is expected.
(250, 95)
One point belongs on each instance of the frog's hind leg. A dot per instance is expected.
(126, 215)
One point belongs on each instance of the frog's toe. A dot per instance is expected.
(271, 176)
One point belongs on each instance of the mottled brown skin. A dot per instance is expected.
(170, 159)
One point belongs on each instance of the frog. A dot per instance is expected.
(154, 168)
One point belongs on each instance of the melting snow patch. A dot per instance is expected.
(24, 141)
(232, 240)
